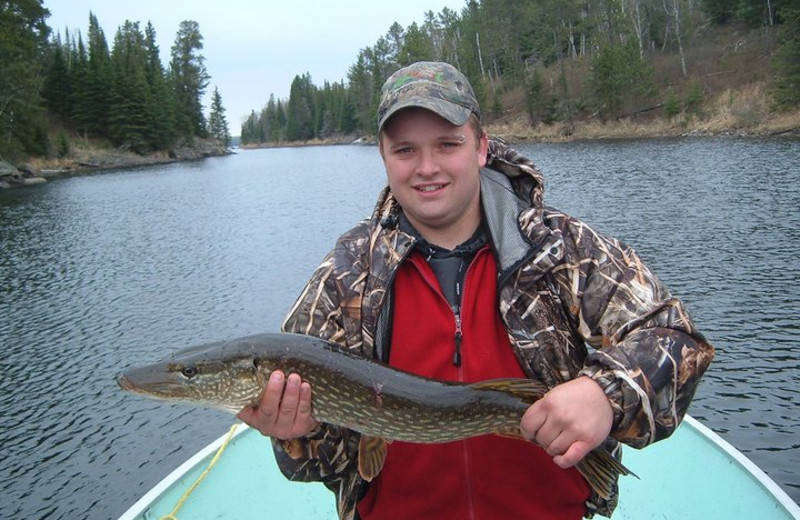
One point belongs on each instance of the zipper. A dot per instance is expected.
(459, 335)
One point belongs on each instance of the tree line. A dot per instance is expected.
(502, 45)
(122, 93)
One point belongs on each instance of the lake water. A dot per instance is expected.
(104, 271)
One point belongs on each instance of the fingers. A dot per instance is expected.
(544, 428)
(304, 404)
(532, 421)
(287, 403)
(576, 451)
(285, 410)
(569, 421)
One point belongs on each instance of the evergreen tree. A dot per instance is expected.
(360, 81)
(265, 121)
(130, 102)
(217, 123)
(96, 91)
(619, 74)
(189, 79)
(299, 111)
(720, 11)
(281, 121)
(161, 109)
(23, 41)
(249, 131)
(787, 87)
(78, 80)
(416, 46)
(57, 81)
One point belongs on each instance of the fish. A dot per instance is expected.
(349, 390)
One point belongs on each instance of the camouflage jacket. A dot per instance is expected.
(574, 303)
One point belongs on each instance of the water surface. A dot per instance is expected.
(104, 271)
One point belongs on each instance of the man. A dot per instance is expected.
(461, 274)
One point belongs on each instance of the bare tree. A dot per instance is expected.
(674, 12)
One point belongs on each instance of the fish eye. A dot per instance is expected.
(189, 371)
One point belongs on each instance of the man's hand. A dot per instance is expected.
(570, 420)
(285, 408)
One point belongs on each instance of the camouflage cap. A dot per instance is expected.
(435, 86)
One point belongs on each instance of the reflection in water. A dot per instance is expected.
(101, 272)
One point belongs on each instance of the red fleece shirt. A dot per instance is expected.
(486, 477)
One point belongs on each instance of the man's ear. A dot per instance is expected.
(483, 149)
(380, 146)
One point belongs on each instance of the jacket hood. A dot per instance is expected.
(525, 177)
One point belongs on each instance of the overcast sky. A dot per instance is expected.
(256, 47)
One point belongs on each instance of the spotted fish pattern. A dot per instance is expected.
(574, 303)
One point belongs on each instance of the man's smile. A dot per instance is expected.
(429, 187)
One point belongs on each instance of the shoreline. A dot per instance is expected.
(87, 159)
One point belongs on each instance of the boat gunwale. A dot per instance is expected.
(140, 507)
(748, 465)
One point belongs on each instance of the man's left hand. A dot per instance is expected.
(570, 420)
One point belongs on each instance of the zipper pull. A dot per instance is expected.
(458, 336)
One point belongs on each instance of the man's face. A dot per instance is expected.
(433, 170)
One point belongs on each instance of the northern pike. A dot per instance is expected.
(352, 391)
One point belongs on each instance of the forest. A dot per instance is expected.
(535, 64)
(546, 62)
(57, 88)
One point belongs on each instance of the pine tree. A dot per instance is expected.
(189, 79)
(619, 74)
(417, 46)
(300, 110)
(787, 86)
(23, 41)
(161, 109)
(57, 82)
(129, 105)
(360, 81)
(95, 103)
(249, 129)
(217, 123)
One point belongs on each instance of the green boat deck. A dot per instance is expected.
(693, 475)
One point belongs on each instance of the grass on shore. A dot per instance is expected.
(733, 112)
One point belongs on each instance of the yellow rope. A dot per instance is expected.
(171, 516)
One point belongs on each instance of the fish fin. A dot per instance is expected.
(511, 433)
(529, 390)
(262, 380)
(371, 456)
(601, 471)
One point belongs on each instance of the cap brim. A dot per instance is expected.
(455, 114)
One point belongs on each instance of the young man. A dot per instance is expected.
(462, 274)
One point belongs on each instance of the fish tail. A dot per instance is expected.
(601, 471)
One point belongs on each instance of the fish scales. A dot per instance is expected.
(352, 391)
(380, 401)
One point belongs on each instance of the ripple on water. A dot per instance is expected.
(101, 272)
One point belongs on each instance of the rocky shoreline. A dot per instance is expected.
(92, 158)
(87, 160)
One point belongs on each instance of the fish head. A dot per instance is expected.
(215, 376)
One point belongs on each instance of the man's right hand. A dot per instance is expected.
(285, 408)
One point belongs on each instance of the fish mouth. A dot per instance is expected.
(125, 383)
(150, 381)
